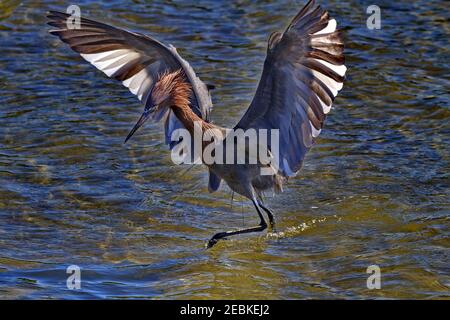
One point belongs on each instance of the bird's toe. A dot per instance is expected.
(211, 243)
(215, 239)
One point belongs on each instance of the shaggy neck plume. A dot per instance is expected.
(180, 92)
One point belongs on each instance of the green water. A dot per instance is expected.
(373, 191)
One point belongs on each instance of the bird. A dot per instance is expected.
(303, 72)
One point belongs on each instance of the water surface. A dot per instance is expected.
(373, 191)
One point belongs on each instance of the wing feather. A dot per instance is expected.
(132, 58)
(303, 73)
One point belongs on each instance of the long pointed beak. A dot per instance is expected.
(139, 123)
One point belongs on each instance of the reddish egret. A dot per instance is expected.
(303, 72)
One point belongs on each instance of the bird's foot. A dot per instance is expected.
(215, 239)
(210, 243)
(273, 228)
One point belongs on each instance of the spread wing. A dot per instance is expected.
(303, 72)
(132, 58)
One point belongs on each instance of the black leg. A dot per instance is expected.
(269, 214)
(262, 226)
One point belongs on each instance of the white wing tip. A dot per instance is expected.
(331, 27)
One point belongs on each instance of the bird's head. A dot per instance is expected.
(171, 89)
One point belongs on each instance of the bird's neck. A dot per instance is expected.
(189, 118)
(192, 122)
